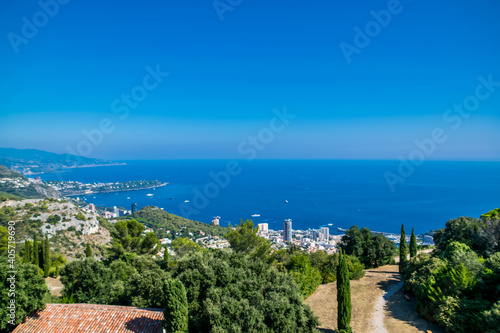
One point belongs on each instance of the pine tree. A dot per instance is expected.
(344, 307)
(403, 250)
(88, 251)
(46, 257)
(413, 244)
(36, 260)
(176, 307)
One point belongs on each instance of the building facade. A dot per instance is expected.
(287, 230)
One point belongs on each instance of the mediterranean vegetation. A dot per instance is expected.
(161, 222)
(458, 285)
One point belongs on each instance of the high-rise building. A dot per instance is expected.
(92, 207)
(287, 230)
(134, 207)
(326, 233)
(263, 227)
(116, 213)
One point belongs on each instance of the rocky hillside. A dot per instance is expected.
(68, 227)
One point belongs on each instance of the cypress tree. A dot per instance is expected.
(46, 257)
(403, 250)
(176, 307)
(344, 308)
(166, 256)
(27, 252)
(36, 260)
(88, 251)
(413, 244)
(57, 271)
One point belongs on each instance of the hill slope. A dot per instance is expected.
(15, 184)
(161, 221)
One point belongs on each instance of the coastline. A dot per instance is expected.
(124, 190)
(60, 170)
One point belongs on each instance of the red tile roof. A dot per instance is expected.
(69, 318)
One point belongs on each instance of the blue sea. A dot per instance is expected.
(313, 193)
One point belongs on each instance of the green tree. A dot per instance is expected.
(36, 260)
(145, 287)
(166, 255)
(46, 257)
(87, 281)
(150, 244)
(372, 250)
(344, 308)
(30, 291)
(27, 252)
(88, 251)
(183, 246)
(232, 292)
(244, 239)
(4, 240)
(176, 307)
(403, 250)
(307, 277)
(413, 244)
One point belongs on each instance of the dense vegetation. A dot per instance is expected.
(459, 285)
(373, 250)
(30, 289)
(227, 291)
(161, 222)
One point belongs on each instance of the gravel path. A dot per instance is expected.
(378, 311)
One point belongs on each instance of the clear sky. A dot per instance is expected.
(66, 67)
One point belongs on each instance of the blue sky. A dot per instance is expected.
(225, 77)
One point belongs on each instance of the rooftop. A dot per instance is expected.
(63, 318)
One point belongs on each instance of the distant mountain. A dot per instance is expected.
(33, 161)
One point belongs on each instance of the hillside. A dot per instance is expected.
(33, 161)
(161, 221)
(68, 227)
(8, 173)
(14, 185)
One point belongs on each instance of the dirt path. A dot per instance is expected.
(377, 305)
(364, 295)
(378, 311)
(54, 285)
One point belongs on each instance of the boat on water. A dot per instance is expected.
(256, 215)
(149, 194)
(286, 201)
(330, 224)
(186, 201)
(128, 198)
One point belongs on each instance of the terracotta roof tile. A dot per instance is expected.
(64, 318)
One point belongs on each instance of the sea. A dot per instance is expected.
(313, 193)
